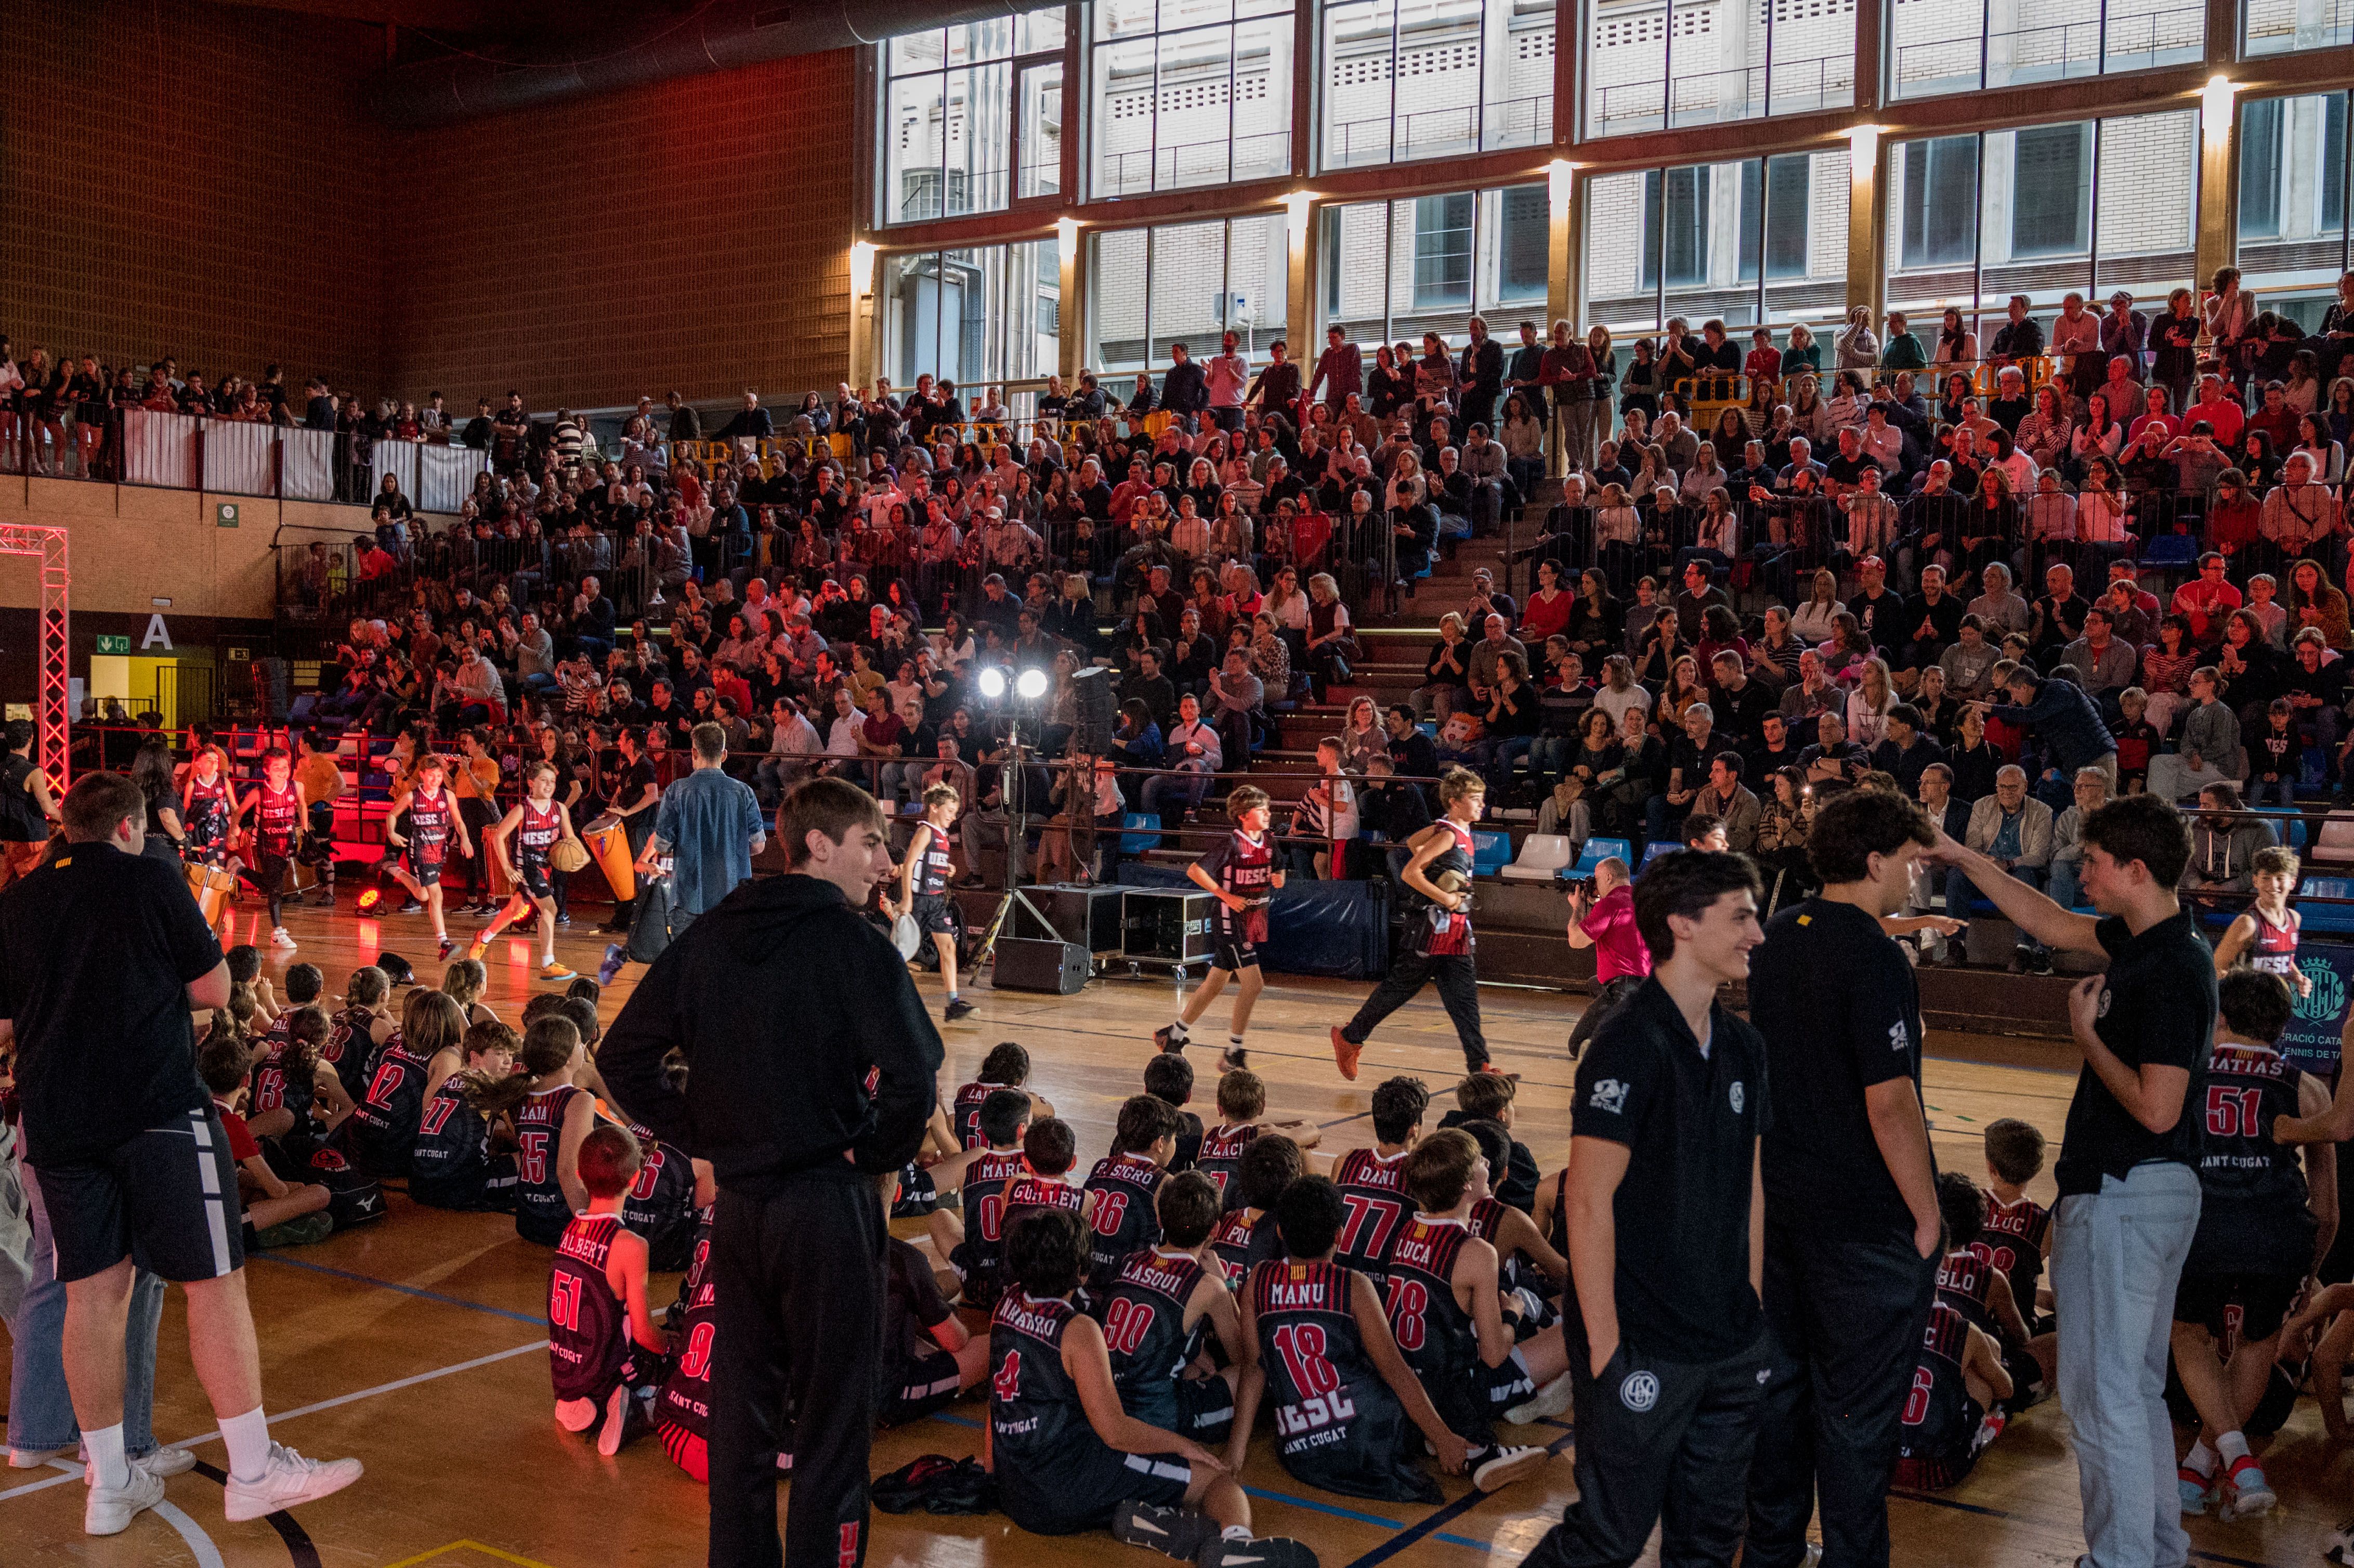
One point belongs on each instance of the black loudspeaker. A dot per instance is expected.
(270, 696)
(1087, 916)
(1097, 710)
(1023, 964)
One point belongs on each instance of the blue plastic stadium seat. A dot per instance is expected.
(1133, 841)
(2165, 550)
(2338, 918)
(1658, 848)
(1599, 850)
(1490, 851)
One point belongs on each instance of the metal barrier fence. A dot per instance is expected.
(238, 456)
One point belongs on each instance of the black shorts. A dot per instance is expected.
(1934, 1471)
(1087, 1483)
(2260, 1300)
(166, 1199)
(930, 913)
(1205, 1410)
(1474, 1401)
(917, 1385)
(427, 873)
(531, 879)
(1235, 938)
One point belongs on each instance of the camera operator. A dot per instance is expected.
(1602, 917)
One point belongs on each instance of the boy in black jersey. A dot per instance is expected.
(1242, 1112)
(520, 841)
(1007, 1066)
(2255, 1242)
(1969, 1282)
(1439, 944)
(924, 878)
(1161, 1305)
(279, 813)
(1950, 1414)
(1372, 1180)
(1241, 873)
(604, 1354)
(2018, 1228)
(928, 1357)
(1122, 1184)
(973, 1246)
(1488, 1097)
(455, 1164)
(381, 1131)
(1066, 1456)
(1246, 1234)
(1452, 1323)
(424, 827)
(1169, 1078)
(1316, 1344)
(1533, 1267)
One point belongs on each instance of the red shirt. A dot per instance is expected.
(241, 1144)
(1618, 949)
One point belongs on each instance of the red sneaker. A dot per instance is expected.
(1346, 1054)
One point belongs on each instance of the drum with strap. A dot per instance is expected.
(608, 839)
(213, 888)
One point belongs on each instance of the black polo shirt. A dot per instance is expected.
(1840, 1011)
(2158, 1007)
(1690, 1123)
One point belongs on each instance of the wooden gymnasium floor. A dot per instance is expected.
(415, 1343)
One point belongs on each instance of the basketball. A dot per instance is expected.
(568, 855)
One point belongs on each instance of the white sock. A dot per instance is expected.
(1178, 1029)
(2233, 1446)
(1233, 1043)
(108, 1467)
(2201, 1460)
(1236, 1532)
(248, 1437)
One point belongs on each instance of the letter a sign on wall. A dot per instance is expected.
(155, 634)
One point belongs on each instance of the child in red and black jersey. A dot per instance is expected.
(522, 841)
(279, 815)
(1439, 944)
(268, 1201)
(1950, 1414)
(1241, 871)
(463, 1159)
(1160, 1306)
(1242, 1111)
(1007, 1066)
(426, 827)
(1122, 1185)
(973, 1246)
(381, 1131)
(1247, 1235)
(360, 1030)
(605, 1355)
(1372, 1180)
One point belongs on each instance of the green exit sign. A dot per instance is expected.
(226, 513)
(107, 644)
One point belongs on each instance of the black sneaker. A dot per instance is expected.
(2039, 962)
(448, 947)
(960, 1008)
(1166, 1039)
(564, 919)
(1233, 1060)
(1180, 1532)
(411, 906)
(1260, 1552)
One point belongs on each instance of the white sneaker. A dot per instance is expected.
(279, 939)
(289, 1479)
(1547, 1402)
(167, 1461)
(110, 1510)
(31, 1459)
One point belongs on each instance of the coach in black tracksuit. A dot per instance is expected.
(811, 1064)
(1851, 1220)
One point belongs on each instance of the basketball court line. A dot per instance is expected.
(73, 1473)
(208, 1555)
(468, 1546)
(404, 1289)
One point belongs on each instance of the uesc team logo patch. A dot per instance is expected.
(2328, 997)
(1639, 1391)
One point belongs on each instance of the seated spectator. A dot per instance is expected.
(2223, 845)
(2013, 830)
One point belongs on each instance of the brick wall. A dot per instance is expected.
(196, 180)
(694, 234)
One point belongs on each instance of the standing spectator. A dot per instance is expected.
(1602, 917)
(1340, 372)
(1481, 372)
(1669, 1346)
(1225, 375)
(1852, 1219)
(2129, 1194)
(1185, 390)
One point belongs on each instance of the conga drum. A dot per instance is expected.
(609, 840)
(213, 888)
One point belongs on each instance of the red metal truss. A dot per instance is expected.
(52, 709)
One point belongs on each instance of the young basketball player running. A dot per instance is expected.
(1240, 871)
(520, 841)
(1372, 1181)
(1950, 1414)
(278, 810)
(454, 1165)
(434, 827)
(208, 809)
(1066, 1455)
(604, 1354)
(2265, 937)
(1007, 1066)
(1316, 1342)
(1162, 1304)
(1242, 1111)
(2254, 1247)
(924, 878)
(1438, 944)
(1122, 1185)
(1445, 1309)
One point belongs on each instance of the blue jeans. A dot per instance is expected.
(1182, 791)
(40, 1411)
(1508, 751)
(2065, 888)
(1960, 891)
(2280, 792)
(2115, 1260)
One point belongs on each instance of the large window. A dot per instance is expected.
(2085, 207)
(1188, 92)
(2293, 192)
(1694, 62)
(1426, 78)
(2276, 26)
(1396, 269)
(950, 137)
(981, 317)
(1747, 242)
(1961, 46)
(1186, 283)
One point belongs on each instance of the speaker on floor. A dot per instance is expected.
(1097, 710)
(1026, 963)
